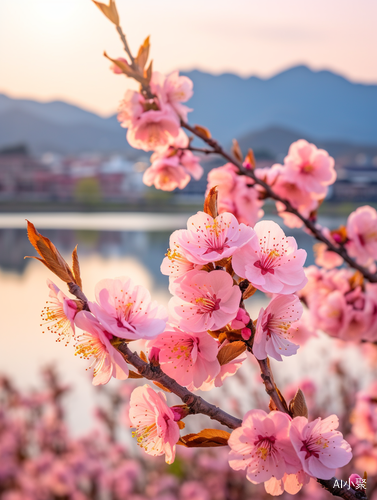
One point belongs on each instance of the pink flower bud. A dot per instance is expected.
(355, 479)
(180, 412)
(246, 333)
(243, 316)
(154, 356)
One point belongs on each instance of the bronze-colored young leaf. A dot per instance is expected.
(110, 11)
(297, 405)
(233, 335)
(250, 158)
(236, 150)
(181, 424)
(271, 405)
(249, 292)
(51, 257)
(160, 386)
(143, 54)
(203, 131)
(223, 262)
(230, 352)
(148, 72)
(133, 374)
(207, 438)
(143, 356)
(76, 268)
(210, 203)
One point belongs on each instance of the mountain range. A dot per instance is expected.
(266, 113)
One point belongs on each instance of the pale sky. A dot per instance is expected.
(52, 49)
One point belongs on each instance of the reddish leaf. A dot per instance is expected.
(236, 150)
(134, 375)
(143, 54)
(230, 352)
(110, 11)
(210, 203)
(76, 267)
(207, 438)
(51, 257)
(297, 406)
(203, 131)
(160, 386)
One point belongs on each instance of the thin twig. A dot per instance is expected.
(125, 44)
(317, 233)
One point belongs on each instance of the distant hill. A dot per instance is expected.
(274, 142)
(321, 106)
(42, 134)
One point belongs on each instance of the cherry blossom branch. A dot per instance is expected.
(270, 386)
(195, 403)
(317, 233)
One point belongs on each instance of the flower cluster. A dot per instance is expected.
(282, 452)
(340, 305)
(153, 123)
(122, 311)
(303, 180)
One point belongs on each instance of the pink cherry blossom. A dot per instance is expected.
(59, 314)
(362, 235)
(235, 194)
(153, 129)
(95, 342)
(311, 169)
(175, 264)
(166, 174)
(340, 308)
(271, 261)
(326, 258)
(204, 301)
(272, 330)
(364, 415)
(126, 310)
(319, 446)
(289, 190)
(173, 90)
(262, 446)
(156, 430)
(130, 108)
(189, 358)
(171, 166)
(209, 240)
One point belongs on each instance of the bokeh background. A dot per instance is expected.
(266, 73)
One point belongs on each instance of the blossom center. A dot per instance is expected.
(265, 446)
(313, 446)
(56, 321)
(267, 263)
(307, 169)
(208, 305)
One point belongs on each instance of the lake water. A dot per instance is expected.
(109, 245)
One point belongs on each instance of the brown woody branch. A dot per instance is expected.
(196, 403)
(317, 233)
